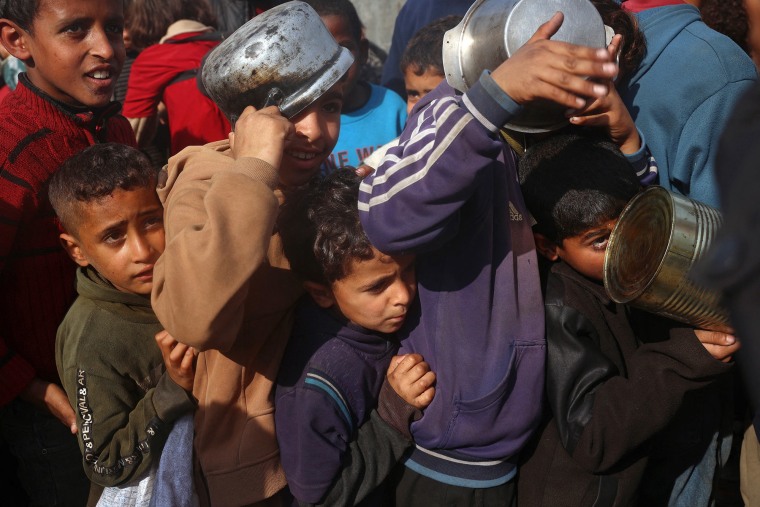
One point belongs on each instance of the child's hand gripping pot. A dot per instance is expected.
(261, 134)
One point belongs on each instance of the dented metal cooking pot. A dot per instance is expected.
(493, 30)
(284, 56)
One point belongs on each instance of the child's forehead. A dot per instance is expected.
(54, 10)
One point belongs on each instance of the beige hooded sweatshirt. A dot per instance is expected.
(223, 286)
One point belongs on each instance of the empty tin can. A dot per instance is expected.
(657, 239)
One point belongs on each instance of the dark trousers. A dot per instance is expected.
(415, 490)
(48, 456)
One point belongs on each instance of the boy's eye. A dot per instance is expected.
(154, 221)
(73, 28)
(332, 107)
(115, 28)
(112, 238)
(600, 243)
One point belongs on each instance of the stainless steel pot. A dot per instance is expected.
(493, 30)
(656, 240)
(284, 56)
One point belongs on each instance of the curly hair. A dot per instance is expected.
(320, 228)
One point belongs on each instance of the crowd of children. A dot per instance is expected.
(260, 323)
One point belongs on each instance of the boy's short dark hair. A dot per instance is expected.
(320, 229)
(573, 182)
(21, 12)
(342, 8)
(425, 49)
(94, 173)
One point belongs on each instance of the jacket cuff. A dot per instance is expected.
(170, 400)
(258, 170)
(686, 339)
(643, 162)
(395, 411)
(489, 104)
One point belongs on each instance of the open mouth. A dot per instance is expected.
(100, 74)
(302, 155)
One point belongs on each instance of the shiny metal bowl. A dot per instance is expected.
(284, 56)
(493, 30)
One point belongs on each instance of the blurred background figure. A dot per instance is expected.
(414, 15)
(166, 72)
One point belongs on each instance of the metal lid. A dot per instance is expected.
(284, 56)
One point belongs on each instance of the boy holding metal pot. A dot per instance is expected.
(449, 193)
(223, 283)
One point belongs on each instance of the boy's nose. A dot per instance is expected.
(402, 293)
(141, 248)
(308, 125)
(102, 44)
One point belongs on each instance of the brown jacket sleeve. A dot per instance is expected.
(218, 214)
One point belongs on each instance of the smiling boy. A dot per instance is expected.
(106, 353)
(224, 264)
(73, 52)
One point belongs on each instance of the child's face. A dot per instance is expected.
(341, 32)
(378, 292)
(121, 236)
(419, 86)
(585, 252)
(316, 132)
(75, 51)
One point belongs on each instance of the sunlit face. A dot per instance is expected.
(121, 236)
(419, 86)
(75, 51)
(316, 132)
(378, 292)
(585, 252)
(341, 32)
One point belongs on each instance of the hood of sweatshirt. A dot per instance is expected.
(661, 25)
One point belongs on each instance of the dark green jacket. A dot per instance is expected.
(114, 375)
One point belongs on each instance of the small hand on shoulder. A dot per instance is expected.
(179, 360)
(410, 376)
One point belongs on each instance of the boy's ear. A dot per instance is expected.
(363, 49)
(321, 294)
(71, 245)
(14, 38)
(546, 247)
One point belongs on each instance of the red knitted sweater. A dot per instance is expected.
(36, 275)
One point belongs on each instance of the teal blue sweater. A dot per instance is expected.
(682, 94)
